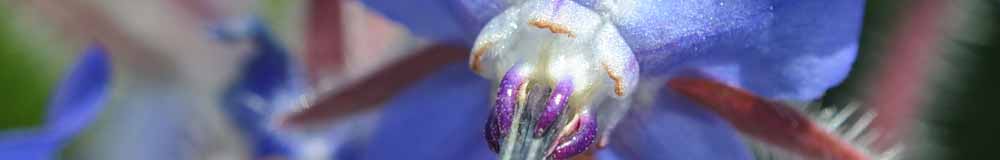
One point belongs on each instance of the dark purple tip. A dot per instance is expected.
(553, 107)
(493, 135)
(580, 141)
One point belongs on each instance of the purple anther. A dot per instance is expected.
(507, 98)
(579, 141)
(503, 112)
(553, 107)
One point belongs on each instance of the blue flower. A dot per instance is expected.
(76, 102)
(779, 50)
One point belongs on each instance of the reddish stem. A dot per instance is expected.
(382, 85)
(765, 120)
(324, 39)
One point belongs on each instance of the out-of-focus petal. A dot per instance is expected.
(80, 94)
(790, 50)
(441, 117)
(265, 78)
(456, 21)
(269, 67)
(76, 102)
(675, 128)
(27, 145)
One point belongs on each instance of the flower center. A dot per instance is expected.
(554, 61)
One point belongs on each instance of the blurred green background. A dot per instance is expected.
(28, 73)
(959, 119)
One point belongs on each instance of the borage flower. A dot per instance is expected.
(76, 102)
(568, 73)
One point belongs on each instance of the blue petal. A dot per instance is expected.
(27, 144)
(456, 21)
(441, 117)
(675, 129)
(263, 76)
(786, 49)
(80, 94)
(75, 104)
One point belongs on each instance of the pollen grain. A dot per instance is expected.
(552, 27)
(619, 89)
